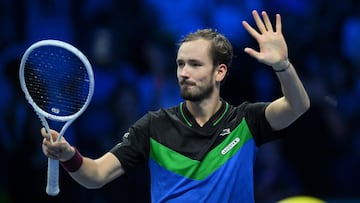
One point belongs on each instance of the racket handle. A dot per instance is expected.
(52, 187)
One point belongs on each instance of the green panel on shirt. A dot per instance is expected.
(198, 170)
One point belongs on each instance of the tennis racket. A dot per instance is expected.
(58, 82)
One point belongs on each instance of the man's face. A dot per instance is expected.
(195, 70)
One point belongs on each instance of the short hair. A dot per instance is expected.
(221, 49)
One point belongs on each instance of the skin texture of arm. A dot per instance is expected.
(274, 52)
(93, 173)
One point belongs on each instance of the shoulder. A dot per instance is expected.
(163, 111)
(253, 105)
(158, 115)
(248, 108)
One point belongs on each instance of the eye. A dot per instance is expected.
(195, 64)
(180, 63)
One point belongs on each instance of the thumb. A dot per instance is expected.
(54, 135)
(252, 52)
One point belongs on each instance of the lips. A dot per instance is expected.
(186, 83)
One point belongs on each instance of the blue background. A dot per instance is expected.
(132, 47)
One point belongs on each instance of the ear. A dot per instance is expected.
(220, 72)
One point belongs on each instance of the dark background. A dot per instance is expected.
(132, 47)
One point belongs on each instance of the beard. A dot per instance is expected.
(195, 95)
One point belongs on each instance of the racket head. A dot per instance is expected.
(51, 65)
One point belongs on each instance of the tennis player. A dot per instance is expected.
(202, 150)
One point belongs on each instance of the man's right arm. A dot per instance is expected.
(95, 173)
(90, 173)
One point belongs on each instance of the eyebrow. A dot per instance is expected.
(189, 61)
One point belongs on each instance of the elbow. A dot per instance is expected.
(93, 187)
(92, 184)
(304, 107)
(307, 104)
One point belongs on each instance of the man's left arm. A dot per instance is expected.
(294, 102)
(274, 53)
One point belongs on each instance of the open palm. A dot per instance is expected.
(273, 48)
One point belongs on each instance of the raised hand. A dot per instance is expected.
(273, 48)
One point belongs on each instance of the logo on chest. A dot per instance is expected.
(225, 132)
(230, 146)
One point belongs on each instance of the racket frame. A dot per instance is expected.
(52, 187)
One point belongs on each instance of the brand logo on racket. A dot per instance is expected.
(55, 110)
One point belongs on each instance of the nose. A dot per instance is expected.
(183, 71)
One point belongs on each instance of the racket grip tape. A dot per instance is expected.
(52, 187)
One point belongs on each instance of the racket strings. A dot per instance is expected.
(33, 80)
(57, 80)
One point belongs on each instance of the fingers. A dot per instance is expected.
(278, 23)
(272, 46)
(250, 30)
(52, 155)
(264, 24)
(259, 22)
(53, 150)
(45, 134)
(59, 150)
(252, 52)
(50, 148)
(55, 153)
(267, 21)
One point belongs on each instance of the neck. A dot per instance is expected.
(203, 110)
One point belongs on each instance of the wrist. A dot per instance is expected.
(281, 66)
(74, 163)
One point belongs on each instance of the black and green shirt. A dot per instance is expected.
(190, 163)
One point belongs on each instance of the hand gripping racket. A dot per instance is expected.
(58, 82)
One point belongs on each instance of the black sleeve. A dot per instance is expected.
(258, 124)
(134, 148)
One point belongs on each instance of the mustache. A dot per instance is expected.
(185, 82)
